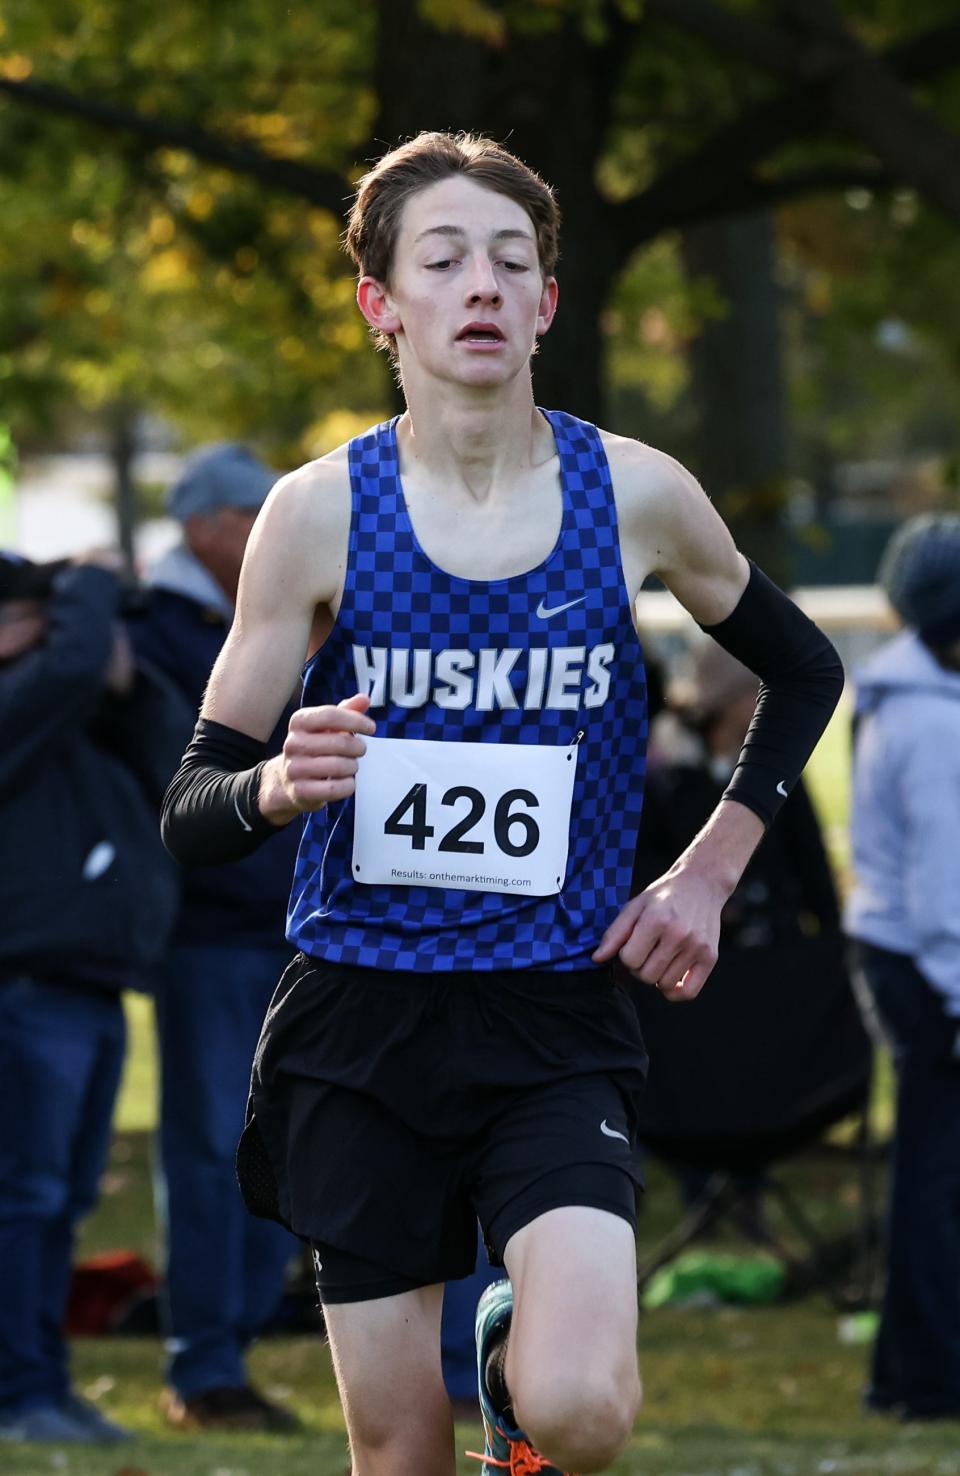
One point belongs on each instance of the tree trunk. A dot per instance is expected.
(553, 115)
(568, 372)
(738, 388)
(123, 447)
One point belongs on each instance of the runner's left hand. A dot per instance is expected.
(668, 935)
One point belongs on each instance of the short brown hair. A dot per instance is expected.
(374, 219)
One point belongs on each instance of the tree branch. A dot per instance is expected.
(871, 102)
(757, 193)
(741, 35)
(722, 170)
(717, 179)
(323, 187)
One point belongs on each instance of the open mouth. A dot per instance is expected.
(480, 333)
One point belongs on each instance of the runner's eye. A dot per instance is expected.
(515, 266)
(439, 266)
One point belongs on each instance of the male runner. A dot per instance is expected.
(469, 762)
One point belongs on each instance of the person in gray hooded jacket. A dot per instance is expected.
(904, 913)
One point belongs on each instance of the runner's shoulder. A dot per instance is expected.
(316, 495)
(303, 529)
(650, 484)
(671, 528)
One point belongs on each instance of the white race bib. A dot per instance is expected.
(477, 817)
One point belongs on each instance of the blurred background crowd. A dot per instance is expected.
(759, 276)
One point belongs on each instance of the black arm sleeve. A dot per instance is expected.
(801, 679)
(210, 812)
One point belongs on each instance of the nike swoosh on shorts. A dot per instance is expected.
(609, 1132)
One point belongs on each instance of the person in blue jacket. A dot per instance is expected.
(224, 1271)
(88, 738)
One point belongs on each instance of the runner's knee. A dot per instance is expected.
(580, 1423)
(387, 1429)
(406, 1453)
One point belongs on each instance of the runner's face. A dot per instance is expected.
(466, 297)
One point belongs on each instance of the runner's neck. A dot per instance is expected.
(479, 447)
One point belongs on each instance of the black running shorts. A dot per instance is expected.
(390, 1111)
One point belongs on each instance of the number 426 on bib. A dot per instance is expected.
(487, 817)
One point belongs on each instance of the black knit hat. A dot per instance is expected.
(21, 579)
(920, 572)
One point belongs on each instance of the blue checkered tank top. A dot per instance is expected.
(548, 657)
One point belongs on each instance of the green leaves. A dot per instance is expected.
(182, 251)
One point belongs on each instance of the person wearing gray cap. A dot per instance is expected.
(215, 499)
(904, 913)
(224, 1271)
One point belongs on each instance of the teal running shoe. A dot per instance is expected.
(506, 1448)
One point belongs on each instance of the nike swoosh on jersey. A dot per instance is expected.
(782, 789)
(609, 1132)
(544, 613)
(243, 822)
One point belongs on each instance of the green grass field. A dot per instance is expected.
(767, 1391)
(729, 1393)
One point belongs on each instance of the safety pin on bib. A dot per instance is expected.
(580, 734)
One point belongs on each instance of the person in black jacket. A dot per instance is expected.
(224, 1270)
(87, 742)
(777, 1043)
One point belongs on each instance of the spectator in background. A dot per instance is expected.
(904, 912)
(87, 742)
(224, 1271)
(785, 896)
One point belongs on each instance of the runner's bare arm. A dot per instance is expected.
(289, 587)
(668, 936)
(292, 566)
(227, 795)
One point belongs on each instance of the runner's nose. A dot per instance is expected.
(482, 283)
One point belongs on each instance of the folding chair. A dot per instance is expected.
(771, 1055)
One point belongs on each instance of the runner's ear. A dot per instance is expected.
(374, 302)
(548, 305)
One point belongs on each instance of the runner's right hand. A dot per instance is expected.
(318, 764)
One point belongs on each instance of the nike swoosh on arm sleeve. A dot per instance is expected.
(801, 679)
(210, 812)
